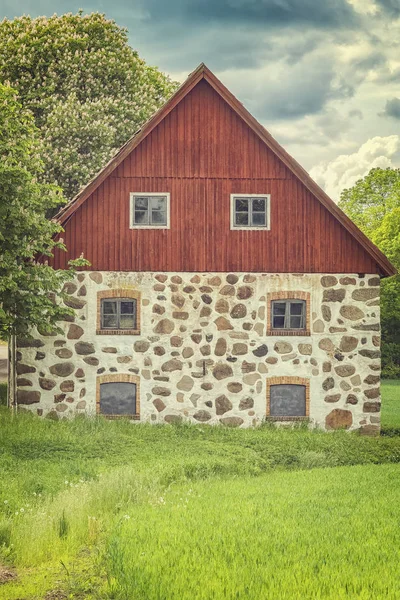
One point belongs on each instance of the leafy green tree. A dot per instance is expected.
(28, 289)
(87, 88)
(371, 198)
(373, 203)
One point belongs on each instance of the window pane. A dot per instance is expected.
(258, 218)
(241, 219)
(295, 322)
(118, 398)
(279, 308)
(158, 217)
(110, 322)
(241, 204)
(278, 322)
(288, 400)
(158, 202)
(141, 216)
(109, 307)
(127, 307)
(258, 204)
(127, 322)
(141, 203)
(296, 308)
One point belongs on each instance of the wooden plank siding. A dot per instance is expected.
(201, 152)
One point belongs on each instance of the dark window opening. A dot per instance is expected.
(288, 400)
(149, 211)
(118, 313)
(250, 212)
(288, 314)
(118, 399)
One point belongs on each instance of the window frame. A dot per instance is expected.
(113, 294)
(265, 227)
(272, 381)
(133, 195)
(283, 296)
(119, 378)
(118, 302)
(287, 316)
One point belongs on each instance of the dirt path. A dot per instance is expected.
(3, 362)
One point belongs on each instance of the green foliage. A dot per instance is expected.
(372, 198)
(27, 288)
(373, 203)
(86, 87)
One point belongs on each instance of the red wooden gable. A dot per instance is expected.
(202, 146)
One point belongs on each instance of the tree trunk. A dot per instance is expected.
(12, 383)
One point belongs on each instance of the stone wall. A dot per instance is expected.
(203, 352)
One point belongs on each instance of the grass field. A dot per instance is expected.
(106, 510)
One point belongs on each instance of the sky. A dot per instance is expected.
(323, 76)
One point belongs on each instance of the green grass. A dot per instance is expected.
(80, 507)
(391, 404)
(328, 533)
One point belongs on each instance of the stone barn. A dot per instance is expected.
(225, 286)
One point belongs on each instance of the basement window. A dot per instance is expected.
(250, 211)
(118, 399)
(288, 314)
(287, 400)
(149, 211)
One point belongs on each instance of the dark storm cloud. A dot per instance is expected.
(391, 7)
(392, 109)
(270, 13)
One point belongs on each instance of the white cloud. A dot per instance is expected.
(343, 172)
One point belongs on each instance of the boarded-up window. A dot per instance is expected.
(118, 398)
(287, 400)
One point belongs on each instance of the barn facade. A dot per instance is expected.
(224, 287)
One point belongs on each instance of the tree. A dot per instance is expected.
(371, 198)
(29, 289)
(373, 203)
(87, 88)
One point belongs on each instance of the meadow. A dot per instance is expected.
(103, 509)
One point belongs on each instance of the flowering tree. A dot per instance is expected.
(86, 87)
(28, 289)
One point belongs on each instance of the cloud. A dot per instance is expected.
(343, 172)
(392, 109)
(391, 7)
(268, 13)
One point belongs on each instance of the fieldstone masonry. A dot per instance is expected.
(203, 353)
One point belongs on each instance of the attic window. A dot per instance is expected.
(149, 210)
(250, 211)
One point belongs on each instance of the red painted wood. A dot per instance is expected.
(201, 153)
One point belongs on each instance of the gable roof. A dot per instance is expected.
(202, 72)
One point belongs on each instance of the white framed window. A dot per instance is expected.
(149, 210)
(250, 211)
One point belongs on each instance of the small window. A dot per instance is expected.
(118, 399)
(250, 212)
(149, 211)
(288, 400)
(288, 314)
(118, 313)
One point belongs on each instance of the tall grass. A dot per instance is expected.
(329, 534)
